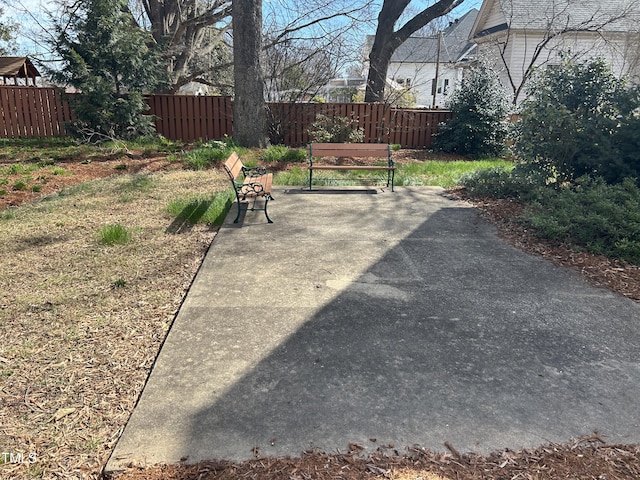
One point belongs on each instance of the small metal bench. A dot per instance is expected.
(254, 183)
(353, 150)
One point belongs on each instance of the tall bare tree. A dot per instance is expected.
(192, 32)
(387, 39)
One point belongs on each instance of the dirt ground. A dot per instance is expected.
(585, 458)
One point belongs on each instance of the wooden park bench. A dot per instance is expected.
(352, 150)
(249, 183)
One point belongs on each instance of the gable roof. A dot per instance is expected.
(455, 43)
(550, 15)
(20, 67)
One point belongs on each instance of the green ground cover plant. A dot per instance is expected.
(588, 214)
(212, 153)
(281, 153)
(601, 218)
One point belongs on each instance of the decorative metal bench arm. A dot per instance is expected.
(254, 172)
(253, 188)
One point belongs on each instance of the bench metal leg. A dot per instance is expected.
(239, 210)
(266, 201)
(253, 208)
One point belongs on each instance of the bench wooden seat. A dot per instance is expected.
(249, 183)
(352, 150)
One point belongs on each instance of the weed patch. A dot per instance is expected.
(280, 153)
(114, 235)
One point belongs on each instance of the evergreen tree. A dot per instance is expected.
(478, 127)
(111, 62)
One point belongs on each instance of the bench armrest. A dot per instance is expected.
(251, 188)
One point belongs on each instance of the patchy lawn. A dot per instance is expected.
(82, 321)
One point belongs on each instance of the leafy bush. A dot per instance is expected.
(574, 120)
(523, 182)
(210, 153)
(478, 128)
(602, 218)
(335, 130)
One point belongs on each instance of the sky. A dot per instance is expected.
(36, 8)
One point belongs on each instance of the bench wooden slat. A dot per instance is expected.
(349, 150)
(233, 165)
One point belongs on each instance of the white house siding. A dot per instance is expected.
(420, 78)
(617, 50)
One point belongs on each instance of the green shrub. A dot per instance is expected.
(20, 185)
(114, 235)
(211, 153)
(111, 63)
(327, 129)
(604, 219)
(573, 119)
(479, 125)
(522, 182)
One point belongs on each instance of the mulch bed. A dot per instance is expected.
(76, 171)
(584, 459)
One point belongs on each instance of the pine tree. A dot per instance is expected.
(111, 62)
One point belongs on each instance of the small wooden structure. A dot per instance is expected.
(17, 68)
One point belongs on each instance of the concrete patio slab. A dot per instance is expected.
(382, 318)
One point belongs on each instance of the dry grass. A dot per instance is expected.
(81, 322)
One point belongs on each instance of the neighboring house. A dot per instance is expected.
(414, 64)
(342, 90)
(194, 88)
(518, 36)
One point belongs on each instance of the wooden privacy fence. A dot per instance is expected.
(411, 128)
(189, 118)
(32, 112)
(42, 112)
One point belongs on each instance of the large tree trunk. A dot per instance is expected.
(249, 108)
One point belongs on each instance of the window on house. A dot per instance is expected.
(443, 86)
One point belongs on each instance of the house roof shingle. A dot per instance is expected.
(605, 15)
(455, 43)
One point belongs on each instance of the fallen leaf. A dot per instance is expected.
(63, 412)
